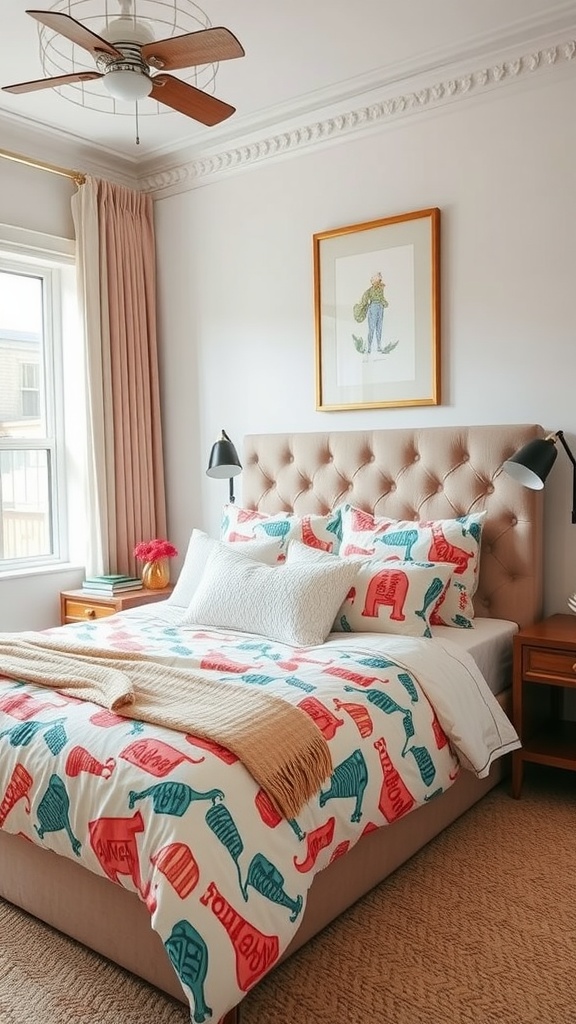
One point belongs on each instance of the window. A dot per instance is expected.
(32, 492)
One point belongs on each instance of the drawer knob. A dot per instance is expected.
(89, 613)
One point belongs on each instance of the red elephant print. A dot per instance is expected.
(388, 587)
(114, 843)
(441, 550)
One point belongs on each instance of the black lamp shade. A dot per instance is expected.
(531, 464)
(224, 461)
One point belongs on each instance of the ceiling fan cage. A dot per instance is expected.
(166, 18)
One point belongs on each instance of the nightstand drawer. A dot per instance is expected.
(540, 663)
(80, 610)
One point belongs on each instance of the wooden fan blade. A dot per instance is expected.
(52, 83)
(208, 46)
(75, 32)
(189, 100)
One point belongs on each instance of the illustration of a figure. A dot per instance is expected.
(371, 308)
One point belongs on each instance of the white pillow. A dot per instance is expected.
(199, 548)
(303, 553)
(293, 603)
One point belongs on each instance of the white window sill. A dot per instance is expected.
(40, 570)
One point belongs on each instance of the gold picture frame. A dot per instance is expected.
(377, 313)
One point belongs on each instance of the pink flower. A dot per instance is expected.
(152, 550)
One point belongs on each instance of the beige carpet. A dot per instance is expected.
(479, 928)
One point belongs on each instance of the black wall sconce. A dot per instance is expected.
(224, 462)
(531, 464)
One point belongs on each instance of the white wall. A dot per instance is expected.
(236, 294)
(35, 199)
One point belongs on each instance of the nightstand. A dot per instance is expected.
(544, 662)
(79, 605)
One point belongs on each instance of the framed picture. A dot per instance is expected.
(377, 313)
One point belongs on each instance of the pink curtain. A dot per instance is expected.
(117, 276)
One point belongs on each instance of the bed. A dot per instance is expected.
(423, 475)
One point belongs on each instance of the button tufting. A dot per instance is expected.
(439, 489)
(513, 521)
(416, 457)
(490, 489)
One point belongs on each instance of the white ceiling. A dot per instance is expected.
(299, 55)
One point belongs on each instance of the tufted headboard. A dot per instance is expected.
(424, 473)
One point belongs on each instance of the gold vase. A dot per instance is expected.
(156, 575)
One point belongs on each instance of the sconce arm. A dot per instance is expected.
(564, 443)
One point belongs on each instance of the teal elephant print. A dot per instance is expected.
(269, 882)
(349, 779)
(189, 957)
(22, 734)
(220, 821)
(400, 538)
(53, 812)
(173, 797)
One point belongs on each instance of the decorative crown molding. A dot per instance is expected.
(367, 117)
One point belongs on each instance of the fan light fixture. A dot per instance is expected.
(127, 84)
(134, 55)
(224, 462)
(531, 464)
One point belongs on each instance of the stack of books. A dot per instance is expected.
(115, 583)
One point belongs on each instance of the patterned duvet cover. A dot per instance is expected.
(179, 820)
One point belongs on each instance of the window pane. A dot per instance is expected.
(21, 356)
(25, 504)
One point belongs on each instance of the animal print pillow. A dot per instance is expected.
(455, 541)
(393, 597)
(243, 524)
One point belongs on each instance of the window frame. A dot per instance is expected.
(25, 252)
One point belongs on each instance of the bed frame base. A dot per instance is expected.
(115, 923)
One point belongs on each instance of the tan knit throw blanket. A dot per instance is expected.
(278, 743)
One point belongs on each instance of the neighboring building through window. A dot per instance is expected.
(30, 390)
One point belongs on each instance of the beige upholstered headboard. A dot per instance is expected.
(426, 473)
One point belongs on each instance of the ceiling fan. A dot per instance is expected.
(132, 64)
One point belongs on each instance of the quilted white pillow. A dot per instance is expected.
(199, 548)
(240, 525)
(393, 597)
(456, 541)
(295, 604)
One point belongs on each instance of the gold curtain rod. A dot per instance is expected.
(77, 176)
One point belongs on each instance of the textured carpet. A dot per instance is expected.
(479, 928)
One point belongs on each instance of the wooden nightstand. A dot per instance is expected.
(544, 663)
(78, 605)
